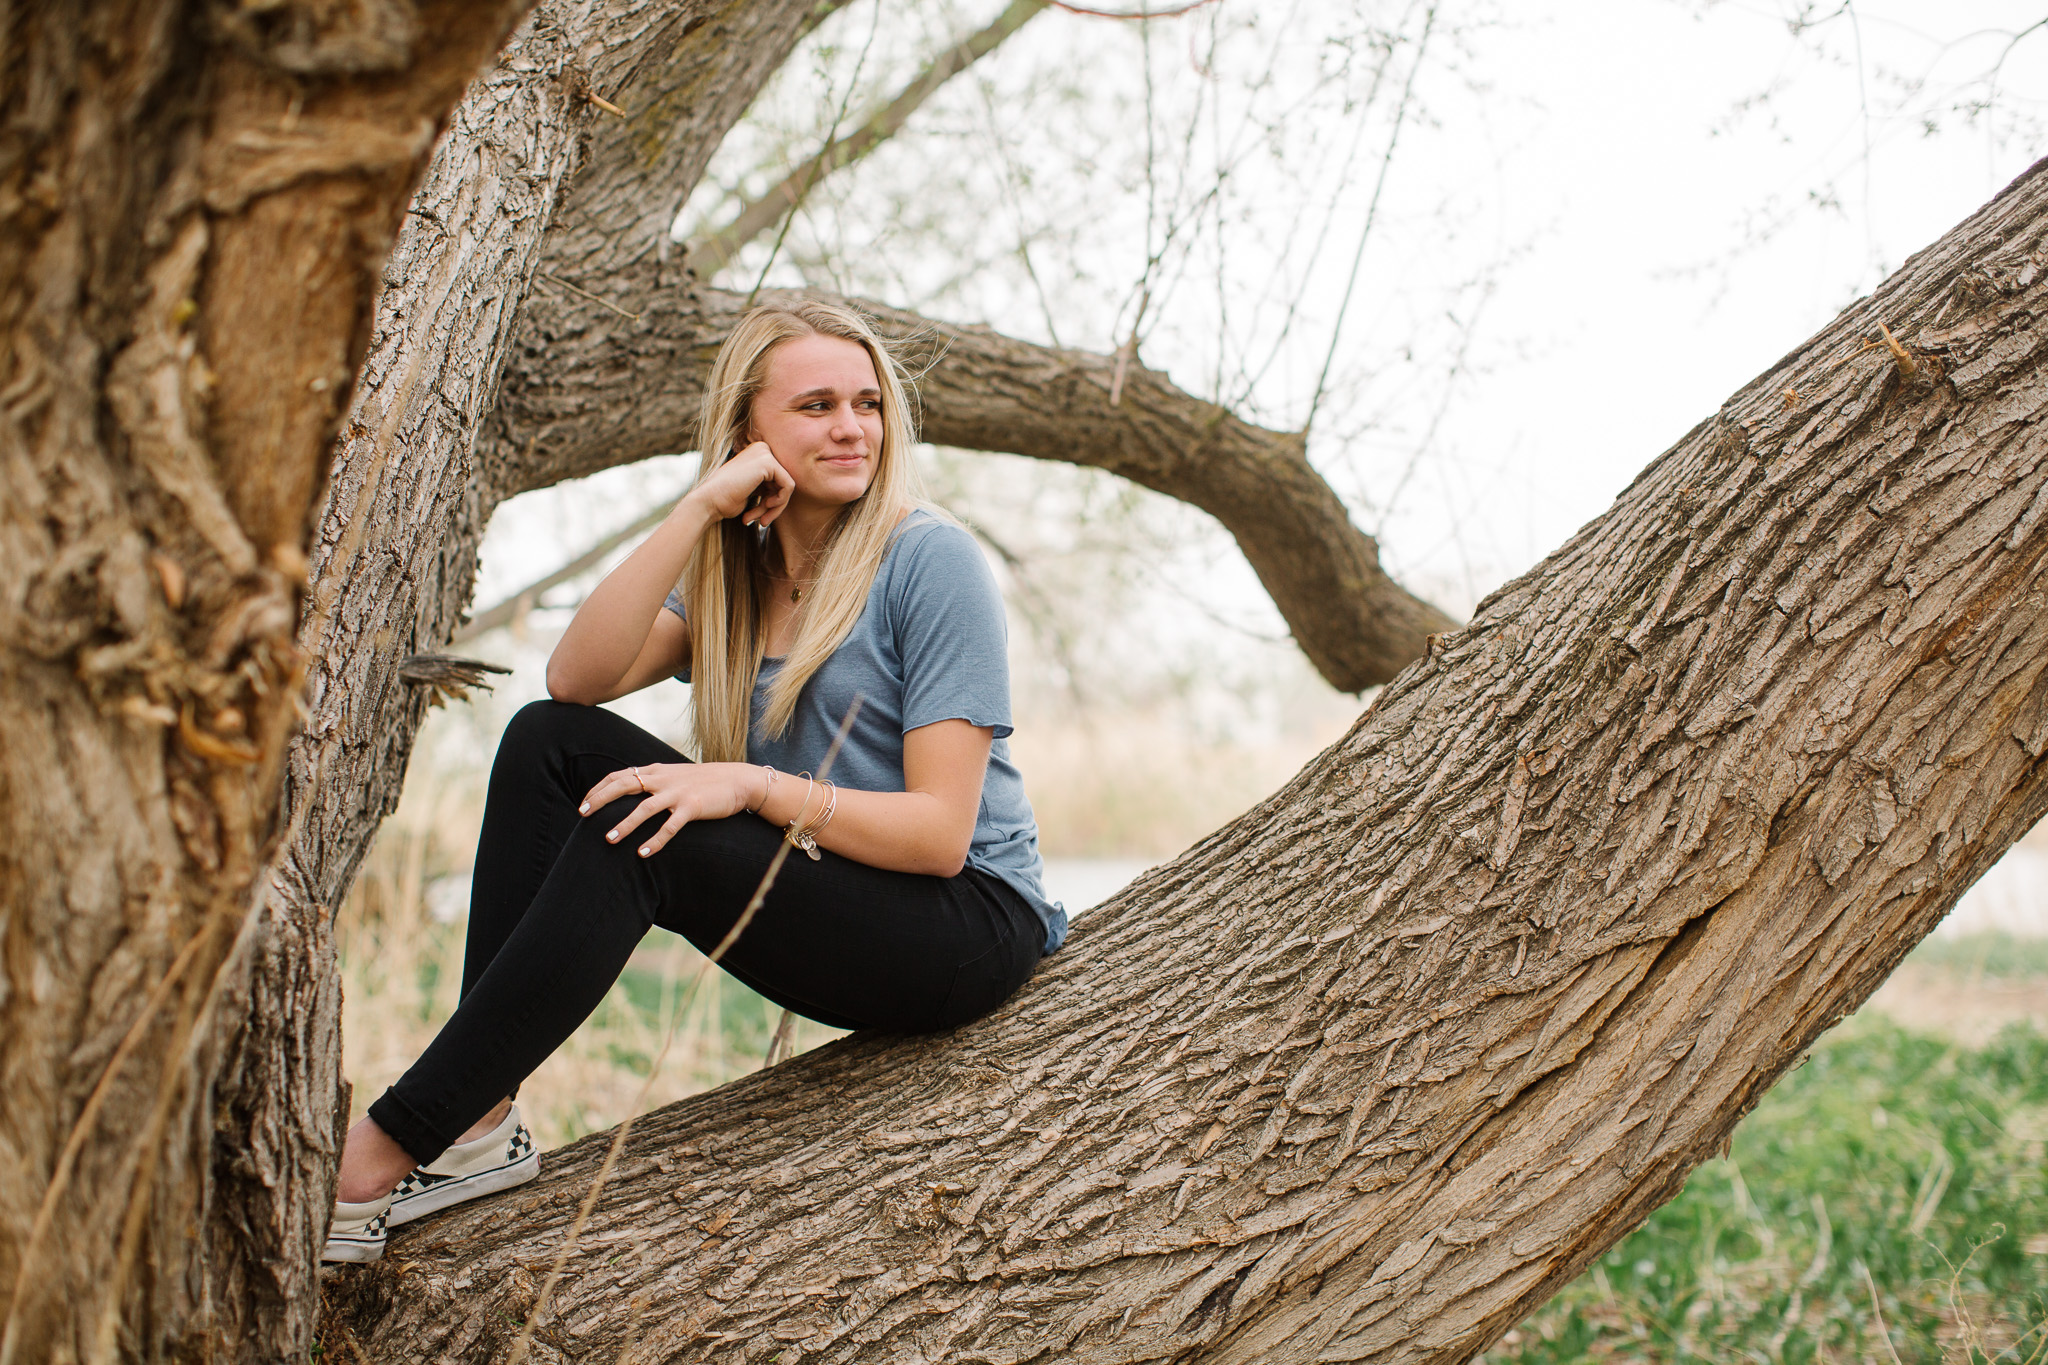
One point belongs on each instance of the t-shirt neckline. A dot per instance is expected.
(902, 525)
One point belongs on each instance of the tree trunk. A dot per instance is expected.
(194, 200)
(1371, 1072)
(395, 554)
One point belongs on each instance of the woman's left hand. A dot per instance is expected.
(687, 791)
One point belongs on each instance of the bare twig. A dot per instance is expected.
(757, 215)
(88, 1117)
(507, 611)
(524, 1344)
(602, 303)
(448, 676)
(831, 135)
(1371, 213)
(1092, 13)
(779, 1042)
(1904, 358)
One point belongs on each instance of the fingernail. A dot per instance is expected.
(613, 836)
(645, 850)
(583, 809)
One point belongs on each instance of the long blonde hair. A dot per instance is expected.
(721, 582)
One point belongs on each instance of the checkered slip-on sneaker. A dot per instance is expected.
(498, 1160)
(357, 1232)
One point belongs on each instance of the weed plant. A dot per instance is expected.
(1887, 1201)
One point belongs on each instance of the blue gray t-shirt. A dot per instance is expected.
(931, 645)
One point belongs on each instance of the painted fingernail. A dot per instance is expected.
(583, 809)
(613, 836)
(646, 850)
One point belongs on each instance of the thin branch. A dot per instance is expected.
(524, 1342)
(1140, 14)
(831, 134)
(577, 289)
(1372, 211)
(521, 602)
(710, 254)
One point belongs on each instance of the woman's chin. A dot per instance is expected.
(841, 492)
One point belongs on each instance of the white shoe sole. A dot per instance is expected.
(462, 1188)
(346, 1250)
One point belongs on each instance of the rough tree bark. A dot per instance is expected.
(194, 199)
(1369, 1073)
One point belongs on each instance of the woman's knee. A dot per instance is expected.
(541, 726)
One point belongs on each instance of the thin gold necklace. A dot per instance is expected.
(796, 594)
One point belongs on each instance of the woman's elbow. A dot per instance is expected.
(563, 688)
(951, 860)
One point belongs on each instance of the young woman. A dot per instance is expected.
(809, 576)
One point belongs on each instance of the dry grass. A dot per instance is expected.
(1127, 785)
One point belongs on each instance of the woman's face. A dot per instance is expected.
(820, 411)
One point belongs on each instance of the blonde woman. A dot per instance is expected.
(809, 574)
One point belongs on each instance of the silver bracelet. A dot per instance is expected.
(766, 791)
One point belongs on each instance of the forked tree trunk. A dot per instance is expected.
(194, 200)
(1372, 1071)
(395, 555)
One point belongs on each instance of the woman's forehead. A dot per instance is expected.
(820, 362)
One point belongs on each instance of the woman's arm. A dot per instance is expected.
(926, 828)
(621, 639)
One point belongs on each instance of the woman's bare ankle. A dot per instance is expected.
(372, 1164)
(487, 1122)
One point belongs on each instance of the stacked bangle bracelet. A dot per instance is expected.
(804, 835)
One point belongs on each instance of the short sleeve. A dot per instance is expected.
(947, 615)
(674, 602)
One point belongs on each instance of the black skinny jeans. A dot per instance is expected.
(555, 912)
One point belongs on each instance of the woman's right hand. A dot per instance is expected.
(731, 487)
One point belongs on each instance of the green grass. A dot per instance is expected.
(1890, 1161)
(1995, 955)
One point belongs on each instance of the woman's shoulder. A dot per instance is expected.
(929, 543)
(935, 559)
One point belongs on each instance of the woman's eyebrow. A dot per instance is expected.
(829, 392)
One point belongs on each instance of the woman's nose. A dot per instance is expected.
(844, 427)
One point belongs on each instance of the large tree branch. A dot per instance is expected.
(585, 390)
(755, 216)
(395, 554)
(1372, 1071)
